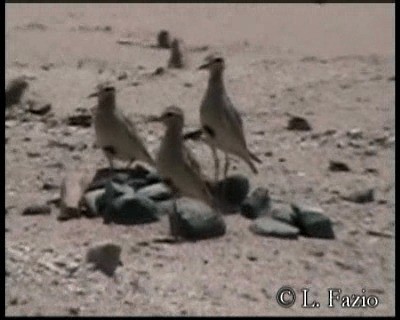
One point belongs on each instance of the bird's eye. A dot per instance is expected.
(219, 60)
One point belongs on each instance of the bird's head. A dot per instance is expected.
(171, 116)
(104, 92)
(214, 64)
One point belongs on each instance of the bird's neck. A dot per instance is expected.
(173, 138)
(107, 103)
(216, 81)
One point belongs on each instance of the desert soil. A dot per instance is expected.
(331, 64)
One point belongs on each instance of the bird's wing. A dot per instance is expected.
(190, 159)
(131, 131)
(232, 120)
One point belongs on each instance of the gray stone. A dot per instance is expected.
(131, 209)
(337, 166)
(114, 190)
(258, 203)
(195, 220)
(299, 124)
(231, 192)
(312, 222)
(285, 214)
(360, 196)
(266, 226)
(105, 257)
(36, 210)
(15, 90)
(39, 107)
(94, 202)
(157, 192)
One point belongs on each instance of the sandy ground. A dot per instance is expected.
(332, 64)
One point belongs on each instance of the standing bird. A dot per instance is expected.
(221, 123)
(115, 133)
(174, 162)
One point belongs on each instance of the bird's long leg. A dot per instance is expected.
(227, 164)
(130, 163)
(216, 162)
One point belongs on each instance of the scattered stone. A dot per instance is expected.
(257, 204)
(338, 166)
(370, 151)
(360, 196)
(379, 234)
(285, 214)
(131, 209)
(392, 78)
(188, 85)
(266, 226)
(36, 210)
(157, 192)
(93, 201)
(105, 257)
(125, 41)
(72, 191)
(15, 90)
(82, 118)
(47, 66)
(312, 222)
(355, 133)
(299, 124)
(163, 39)
(176, 57)
(39, 108)
(195, 220)
(123, 75)
(159, 71)
(74, 311)
(231, 192)
(49, 185)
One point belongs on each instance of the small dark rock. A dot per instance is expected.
(131, 209)
(159, 71)
(163, 39)
(157, 192)
(298, 123)
(105, 257)
(257, 204)
(176, 58)
(195, 220)
(123, 75)
(36, 210)
(81, 119)
(337, 166)
(266, 226)
(38, 107)
(231, 192)
(312, 222)
(360, 196)
(15, 90)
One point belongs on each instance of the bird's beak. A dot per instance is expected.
(204, 66)
(92, 95)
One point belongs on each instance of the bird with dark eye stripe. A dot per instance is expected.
(221, 123)
(175, 163)
(115, 133)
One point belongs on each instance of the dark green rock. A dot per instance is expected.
(360, 196)
(195, 220)
(312, 222)
(257, 204)
(157, 192)
(266, 226)
(94, 201)
(231, 192)
(131, 209)
(285, 214)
